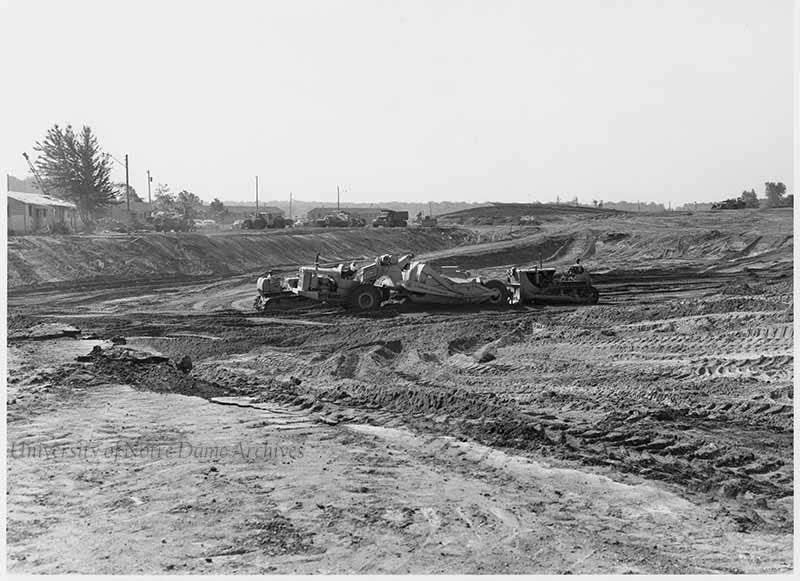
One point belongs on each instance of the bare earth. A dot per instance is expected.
(651, 433)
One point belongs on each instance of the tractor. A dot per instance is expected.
(548, 286)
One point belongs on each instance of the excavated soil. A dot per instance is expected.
(651, 433)
(53, 262)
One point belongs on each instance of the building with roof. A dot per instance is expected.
(30, 210)
(35, 212)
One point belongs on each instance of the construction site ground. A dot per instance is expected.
(651, 433)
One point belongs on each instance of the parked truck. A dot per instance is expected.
(391, 218)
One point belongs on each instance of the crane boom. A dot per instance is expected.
(35, 174)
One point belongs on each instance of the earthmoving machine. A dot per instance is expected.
(171, 221)
(261, 220)
(391, 219)
(340, 219)
(547, 286)
(425, 221)
(388, 277)
(730, 204)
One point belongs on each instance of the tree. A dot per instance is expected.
(217, 209)
(750, 199)
(74, 167)
(189, 204)
(165, 200)
(774, 192)
(121, 196)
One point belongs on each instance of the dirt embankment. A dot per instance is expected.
(45, 261)
(720, 241)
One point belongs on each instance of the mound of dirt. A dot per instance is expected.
(51, 261)
(624, 244)
(522, 214)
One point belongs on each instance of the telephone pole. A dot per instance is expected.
(290, 205)
(256, 194)
(127, 185)
(337, 198)
(149, 181)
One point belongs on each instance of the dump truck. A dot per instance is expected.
(548, 286)
(391, 218)
(388, 277)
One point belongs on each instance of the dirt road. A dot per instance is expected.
(650, 433)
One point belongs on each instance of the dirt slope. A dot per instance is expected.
(35, 261)
(721, 241)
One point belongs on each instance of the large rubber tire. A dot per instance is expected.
(366, 298)
(503, 297)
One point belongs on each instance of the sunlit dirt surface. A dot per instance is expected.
(651, 433)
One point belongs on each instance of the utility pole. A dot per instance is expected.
(337, 198)
(290, 205)
(149, 181)
(127, 185)
(256, 194)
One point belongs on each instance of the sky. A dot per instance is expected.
(497, 100)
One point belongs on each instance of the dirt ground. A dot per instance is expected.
(651, 433)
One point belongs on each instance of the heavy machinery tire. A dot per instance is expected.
(502, 297)
(366, 298)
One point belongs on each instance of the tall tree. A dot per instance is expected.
(217, 209)
(189, 204)
(75, 168)
(774, 192)
(164, 199)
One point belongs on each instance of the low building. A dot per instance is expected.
(36, 212)
(245, 211)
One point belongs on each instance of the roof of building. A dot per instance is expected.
(237, 209)
(39, 199)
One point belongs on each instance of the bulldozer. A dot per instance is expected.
(388, 277)
(548, 286)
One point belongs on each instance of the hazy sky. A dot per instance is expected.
(676, 100)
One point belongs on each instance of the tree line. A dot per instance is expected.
(774, 197)
(73, 166)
